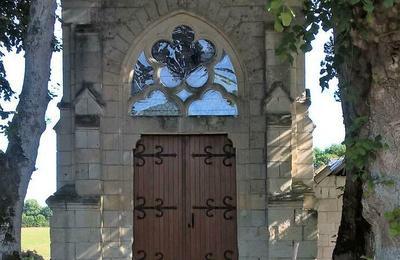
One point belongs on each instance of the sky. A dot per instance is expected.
(324, 111)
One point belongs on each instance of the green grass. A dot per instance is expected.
(37, 239)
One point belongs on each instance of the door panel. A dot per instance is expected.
(211, 197)
(158, 215)
(185, 198)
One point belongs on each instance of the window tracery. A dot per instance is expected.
(183, 77)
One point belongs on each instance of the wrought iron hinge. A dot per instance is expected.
(210, 207)
(228, 153)
(140, 154)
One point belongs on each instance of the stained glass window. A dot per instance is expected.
(143, 75)
(212, 103)
(225, 74)
(184, 67)
(155, 104)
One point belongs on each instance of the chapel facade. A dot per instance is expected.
(182, 135)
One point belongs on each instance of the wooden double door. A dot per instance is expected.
(185, 198)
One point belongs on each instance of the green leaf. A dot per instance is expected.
(286, 18)
(368, 6)
(278, 26)
(274, 5)
(306, 47)
(354, 2)
(388, 3)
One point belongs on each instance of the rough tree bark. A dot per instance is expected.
(376, 76)
(18, 162)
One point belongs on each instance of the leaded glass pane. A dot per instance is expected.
(206, 50)
(213, 103)
(183, 34)
(161, 51)
(143, 75)
(183, 56)
(225, 74)
(198, 78)
(169, 78)
(157, 104)
(184, 95)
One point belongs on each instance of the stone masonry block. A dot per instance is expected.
(258, 186)
(113, 187)
(257, 172)
(65, 173)
(278, 185)
(285, 169)
(58, 235)
(252, 218)
(112, 202)
(94, 171)
(87, 218)
(89, 187)
(110, 141)
(111, 218)
(273, 169)
(281, 249)
(87, 156)
(257, 123)
(240, 141)
(111, 93)
(251, 201)
(242, 156)
(79, 235)
(162, 6)
(278, 153)
(253, 233)
(253, 248)
(64, 158)
(62, 251)
(112, 157)
(273, 136)
(243, 186)
(64, 142)
(305, 156)
(277, 216)
(82, 171)
(257, 156)
(307, 249)
(112, 250)
(126, 234)
(304, 171)
(257, 140)
(110, 234)
(93, 139)
(328, 205)
(62, 219)
(113, 172)
(242, 172)
(88, 251)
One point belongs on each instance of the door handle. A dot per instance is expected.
(191, 225)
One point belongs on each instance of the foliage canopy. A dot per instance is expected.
(14, 17)
(35, 215)
(324, 156)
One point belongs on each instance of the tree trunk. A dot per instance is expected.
(27, 126)
(384, 100)
(364, 230)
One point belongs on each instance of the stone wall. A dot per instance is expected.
(96, 134)
(329, 207)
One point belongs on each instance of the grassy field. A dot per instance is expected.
(37, 239)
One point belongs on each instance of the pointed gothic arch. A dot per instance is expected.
(163, 29)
